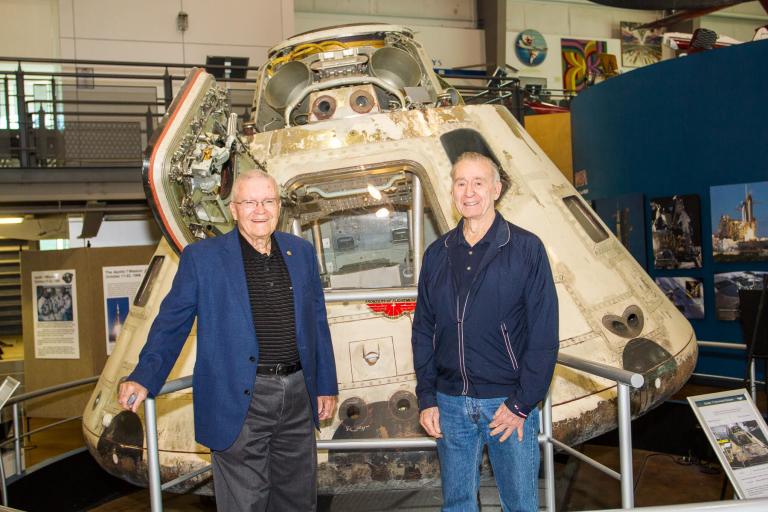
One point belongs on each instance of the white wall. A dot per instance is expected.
(118, 233)
(145, 30)
(29, 28)
(738, 22)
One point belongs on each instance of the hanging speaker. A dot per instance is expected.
(396, 67)
(286, 84)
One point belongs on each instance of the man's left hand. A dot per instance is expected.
(506, 421)
(325, 406)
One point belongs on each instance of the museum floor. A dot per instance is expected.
(660, 479)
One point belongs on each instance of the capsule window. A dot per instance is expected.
(585, 218)
(363, 225)
(142, 295)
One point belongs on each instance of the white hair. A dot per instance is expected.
(471, 156)
(250, 175)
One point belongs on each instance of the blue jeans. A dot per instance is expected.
(464, 425)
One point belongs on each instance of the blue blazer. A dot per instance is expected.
(210, 286)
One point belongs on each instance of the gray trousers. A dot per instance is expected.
(272, 466)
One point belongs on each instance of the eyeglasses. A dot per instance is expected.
(250, 204)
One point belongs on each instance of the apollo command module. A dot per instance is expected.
(361, 134)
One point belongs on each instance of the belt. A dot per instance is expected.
(280, 369)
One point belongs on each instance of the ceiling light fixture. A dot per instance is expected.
(11, 220)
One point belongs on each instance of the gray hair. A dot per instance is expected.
(250, 175)
(471, 156)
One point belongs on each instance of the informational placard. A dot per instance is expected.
(55, 317)
(737, 432)
(120, 286)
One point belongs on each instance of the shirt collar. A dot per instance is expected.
(487, 238)
(249, 253)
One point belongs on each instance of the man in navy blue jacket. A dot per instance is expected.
(485, 342)
(264, 374)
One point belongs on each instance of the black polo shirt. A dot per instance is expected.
(469, 258)
(271, 295)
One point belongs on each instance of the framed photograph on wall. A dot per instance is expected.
(625, 216)
(740, 222)
(686, 293)
(738, 434)
(676, 231)
(640, 47)
(727, 286)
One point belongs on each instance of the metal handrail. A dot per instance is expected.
(602, 370)
(13, 440)
(624, 380)
(122, 63)
(52, 389)
(17, 437)
(736, 346)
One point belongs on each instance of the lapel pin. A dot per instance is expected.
(288, 253)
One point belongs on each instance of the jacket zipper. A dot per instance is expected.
(509, 346)
(461, 336)
(461, 349)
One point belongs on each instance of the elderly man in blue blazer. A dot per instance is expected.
(265, 374)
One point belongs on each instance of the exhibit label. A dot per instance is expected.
(55, 316)
(120, 286)
(738, 434)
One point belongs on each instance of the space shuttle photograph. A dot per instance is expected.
(359, 139)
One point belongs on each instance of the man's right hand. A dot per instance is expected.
(131, 388)
(430, 420)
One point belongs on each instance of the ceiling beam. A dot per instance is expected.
(492, 18)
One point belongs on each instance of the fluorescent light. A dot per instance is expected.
(11, 220)
(374, 192)
(382, 213)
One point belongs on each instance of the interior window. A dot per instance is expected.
(361, 226)
(150, 276)
(586, 219)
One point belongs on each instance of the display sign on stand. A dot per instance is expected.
(739, 436)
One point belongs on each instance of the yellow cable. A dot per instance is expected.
(337, 43)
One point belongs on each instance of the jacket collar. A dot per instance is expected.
(501, 238)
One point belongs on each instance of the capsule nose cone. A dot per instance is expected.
(641, 355)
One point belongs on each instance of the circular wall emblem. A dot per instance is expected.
(531, 48)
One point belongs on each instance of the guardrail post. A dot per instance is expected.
(150, 123)
(21, 111)
(54, 104)
(549, 453)
(7, 102)
(153, 457)
(2, 482)
(625, 447)
(167, 89)
(41, 139)
(16, 437)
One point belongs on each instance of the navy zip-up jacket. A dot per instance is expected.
(504, 342)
